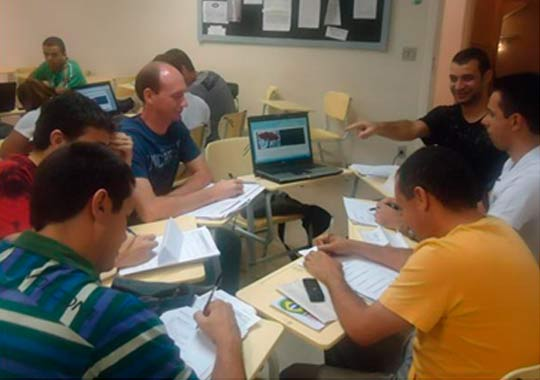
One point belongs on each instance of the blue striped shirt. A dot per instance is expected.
(58, 321)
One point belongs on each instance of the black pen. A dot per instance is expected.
(218, 282)
(131, 231)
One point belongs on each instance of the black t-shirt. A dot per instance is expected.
(448, 128)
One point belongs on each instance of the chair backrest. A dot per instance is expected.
(525, 373)
(120, 92)
(197, 134)
(272, 93)
(336, 105)
(232, 124)
(229, 156)
(235, 90)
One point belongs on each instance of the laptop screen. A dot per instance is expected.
(102, 94)
(278, 138)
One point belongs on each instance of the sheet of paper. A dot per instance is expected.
(367, 278)
(226, 207)
(333, 13)
(196, 349)
(323, 311)
(375, 170)
(215, 12)
(234, 10)
(253, 2)
(384, 237)
(171, 246)
(216, 30)
(389, 185)
(309, 14)
(365, 9)
(360, 211)
(197, 245)
(277, 15)
(295, 311)
(336, 33)
(246, 315)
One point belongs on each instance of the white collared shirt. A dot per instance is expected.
(515, 198)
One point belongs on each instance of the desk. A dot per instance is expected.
(271, 186)
(15, 112)
(283, 106)
(257, 348)
(176, 273)
(262, 293)
(376, 183)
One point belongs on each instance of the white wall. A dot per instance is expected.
(116, 37)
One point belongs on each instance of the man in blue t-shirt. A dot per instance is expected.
(161, 142)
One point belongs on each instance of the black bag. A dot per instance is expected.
(315, 219)
(158, 296)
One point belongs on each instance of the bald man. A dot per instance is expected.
(161, 141)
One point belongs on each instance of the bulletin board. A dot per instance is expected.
(362, 24)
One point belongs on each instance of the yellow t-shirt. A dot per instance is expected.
(474, 298)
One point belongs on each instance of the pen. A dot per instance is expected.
(131, 231)
(218, 282)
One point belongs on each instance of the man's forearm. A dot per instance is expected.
(402, 130)
(350, 308)
(229, 362)
(391, 257)
(196, 182)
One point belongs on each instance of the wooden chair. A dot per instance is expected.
(525, 373)
(21, 73)
(122, 93)
(232, 156)
(336, 110)
(198, 135)
(232, 125)
(272, 93)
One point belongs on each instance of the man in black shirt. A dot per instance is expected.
(455, 126)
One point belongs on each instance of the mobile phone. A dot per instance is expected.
(313, 290)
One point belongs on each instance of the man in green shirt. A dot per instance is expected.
(58, 70)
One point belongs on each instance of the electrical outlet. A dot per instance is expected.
(408, 54)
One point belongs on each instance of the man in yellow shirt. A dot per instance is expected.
(471, 288)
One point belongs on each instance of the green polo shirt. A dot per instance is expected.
(69, 77)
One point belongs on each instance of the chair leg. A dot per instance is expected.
(321, 152)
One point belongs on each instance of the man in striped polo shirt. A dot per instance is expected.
(56, 320)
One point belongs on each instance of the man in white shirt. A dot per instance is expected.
(514, 127)
(196, 112)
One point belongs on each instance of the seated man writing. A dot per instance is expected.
(161, 142)
(470, 322)
(56, 318)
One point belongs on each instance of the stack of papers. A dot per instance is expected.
(323, 311)
(384, 171)
(361, 211)
(226, 207)
(383, 237)
(178, 247)
(365, 277)
(196, 349)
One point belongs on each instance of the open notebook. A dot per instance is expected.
(196, 349)
(178, 247)
(226, 207)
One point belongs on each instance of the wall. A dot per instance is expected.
(455, 30)
(118, 37)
